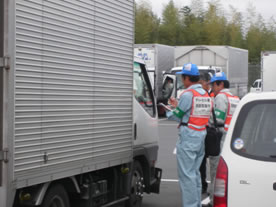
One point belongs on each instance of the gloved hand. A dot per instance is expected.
(173, 102)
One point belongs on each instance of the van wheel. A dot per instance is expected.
(56, 196)
(137, 186)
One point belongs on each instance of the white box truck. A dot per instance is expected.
(159, 59)
(72, 131)
(268, 59)
(233, 61)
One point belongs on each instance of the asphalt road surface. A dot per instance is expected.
(170, 193)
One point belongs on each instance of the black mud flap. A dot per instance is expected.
(155, 187)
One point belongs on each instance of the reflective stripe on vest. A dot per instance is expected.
(232, 105)
(201, 110)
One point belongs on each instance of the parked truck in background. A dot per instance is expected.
(256, 86)
(73, 131)
(159, 59)
(232, 61)
(177, 80)
(268, 68)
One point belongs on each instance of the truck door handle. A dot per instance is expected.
(135, 131)
(274, 186)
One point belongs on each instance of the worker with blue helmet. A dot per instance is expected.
(219, 77)
(225, 104)
(192, 112)
(189, 70)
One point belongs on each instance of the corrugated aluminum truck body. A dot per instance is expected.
(268, 70)
(66, 89)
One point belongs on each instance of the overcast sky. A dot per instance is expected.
(266, 8)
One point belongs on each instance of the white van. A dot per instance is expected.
(246, 175)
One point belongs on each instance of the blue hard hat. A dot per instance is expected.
(189, 69)
(219, 77)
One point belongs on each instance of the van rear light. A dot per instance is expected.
(220, 191)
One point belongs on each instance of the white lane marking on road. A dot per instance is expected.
(205, 201)
(170, 180)
(174, 180)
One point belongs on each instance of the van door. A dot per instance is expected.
(168, 88)
(168, 91)
(260, 86)
(252, 163)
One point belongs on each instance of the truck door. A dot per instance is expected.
(168, 91)
(169, 85)
(145, 114)
(256, 86)
(1, 83)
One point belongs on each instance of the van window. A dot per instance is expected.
(254, 134)
(142, 89)
(255, 84)
(167, 88)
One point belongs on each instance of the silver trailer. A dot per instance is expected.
(67, 104)
(268, 71)
(159, 58)
(233, 61)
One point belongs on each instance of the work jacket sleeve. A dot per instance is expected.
(221, 108)
(184, 106)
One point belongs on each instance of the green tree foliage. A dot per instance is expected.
(146, 24)
(255, 39)
(195, 24)
(234, 32)
(197, 8)
(170, 28)
(215, 25)
(270, 35)
(192, 27)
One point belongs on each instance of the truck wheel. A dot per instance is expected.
(56, 196)
(137, 186)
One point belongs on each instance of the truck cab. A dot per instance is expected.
(256, 86)
(173, 86)
(145, 132)
(178, 85)
(69, 133)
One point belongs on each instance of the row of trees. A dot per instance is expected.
(195, 24)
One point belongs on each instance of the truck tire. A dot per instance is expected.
(137, 186)
(56, 196)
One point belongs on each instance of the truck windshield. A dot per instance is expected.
(179, 82)
(254, 135)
